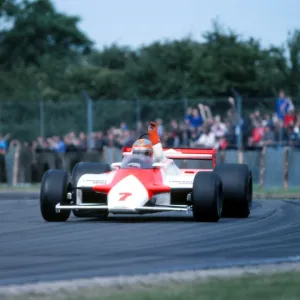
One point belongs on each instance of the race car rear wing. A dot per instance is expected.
(184, 153)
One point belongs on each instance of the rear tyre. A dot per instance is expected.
(237, 188)
(88, 168)
(207, 197)
(53, 191)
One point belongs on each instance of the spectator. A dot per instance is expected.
(99, 141)
(206, 114)
(123, 126)
(289, 116)
(268, 121)
(297, 131)
(127, 139)
(160, 127)
(257, 134)
(283, 105)
(198, 129)
(169, 140)
(176, 133)
(268, 137)
(207, 139)
(281, 133)
(218, 128)
(3, 144)
(82, 142)
(193, 117)
(57, 145)
(229, 135)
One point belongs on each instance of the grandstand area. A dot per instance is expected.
(266, 137)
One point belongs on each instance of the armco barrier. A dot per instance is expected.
(294, 167)
(251, 158)
(274, 167)
(271, 167)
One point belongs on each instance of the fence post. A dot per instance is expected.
(262, 166)
(89, 102)
(239, 105)
(286, 168)
(16, 165)
(240, 156)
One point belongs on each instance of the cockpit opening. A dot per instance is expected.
(137, 161)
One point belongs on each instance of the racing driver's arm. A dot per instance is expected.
(158, 153)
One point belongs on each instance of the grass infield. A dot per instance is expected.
(276, 287)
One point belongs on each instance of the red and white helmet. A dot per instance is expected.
(142, 147)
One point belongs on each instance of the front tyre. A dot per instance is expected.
(238, 189)
(53, 191)
(207, 197)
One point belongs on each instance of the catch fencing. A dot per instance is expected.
(271, 166)
(26, 120)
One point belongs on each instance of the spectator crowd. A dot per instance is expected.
(199, 128)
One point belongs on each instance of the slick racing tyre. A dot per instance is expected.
(207, 197)
(87, 168)
(237, 188)
(53, 191)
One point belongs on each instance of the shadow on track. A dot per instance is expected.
(135, 219)
(149, 219)
(153, 218)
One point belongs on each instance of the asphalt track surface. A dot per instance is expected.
(33, 250)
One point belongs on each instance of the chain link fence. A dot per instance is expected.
(25, 120)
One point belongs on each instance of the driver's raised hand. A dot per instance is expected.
(153, 134)
(152, 126)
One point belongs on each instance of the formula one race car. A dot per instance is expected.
(137, 185)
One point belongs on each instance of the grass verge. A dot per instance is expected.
(277, 286)
(20, 188)
(276, 192)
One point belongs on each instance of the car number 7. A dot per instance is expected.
(124, 196)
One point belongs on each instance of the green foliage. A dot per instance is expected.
(293, 77)
(38, 30)
(44, 55)
(8, 9)
(58, 60)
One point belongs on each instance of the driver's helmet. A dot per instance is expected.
(142, 147)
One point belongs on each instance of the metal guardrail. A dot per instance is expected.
(271, 166)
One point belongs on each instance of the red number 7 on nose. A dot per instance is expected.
(124, 196)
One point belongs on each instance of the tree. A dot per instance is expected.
(38, 30)
(227, 61)
(8, 9)
(293, 78)
(43, 54)
(161, 70)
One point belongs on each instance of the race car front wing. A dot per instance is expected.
(145, 209)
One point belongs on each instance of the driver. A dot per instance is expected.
(153, 148)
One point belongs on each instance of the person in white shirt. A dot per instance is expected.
(219, 128)
(207, 139)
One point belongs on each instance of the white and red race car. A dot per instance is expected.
(137, 185)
